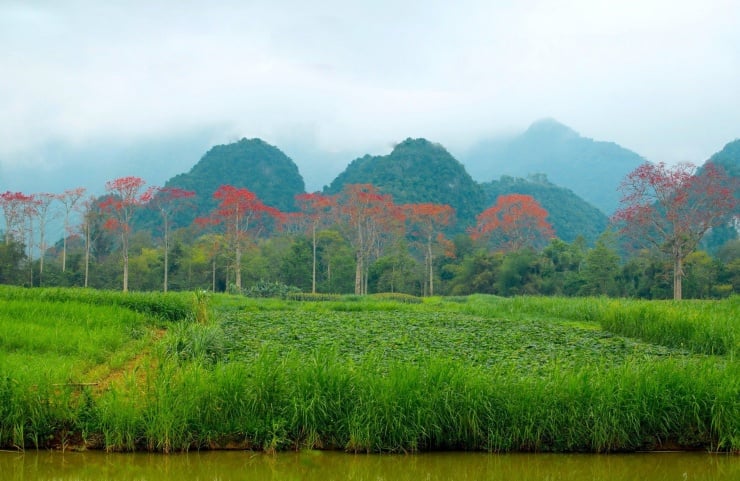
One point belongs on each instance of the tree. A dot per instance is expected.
(43, 204)
(208, 246)
(69, 199)
(125, 196)
(317, 210)
(671, 208)
(601, 267)
(561, 267)
(92, 228)
(514, 222)
(12, 257)
(701, 275)
(370, 218)
(238, 210)
(425, 220)
(168, 201)
(13, 205)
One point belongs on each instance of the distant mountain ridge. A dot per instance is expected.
(591, 169)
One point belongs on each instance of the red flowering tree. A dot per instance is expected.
(425, 222)
(371, 219)
(671, 208)
(240, 210)
(125, 195)
(514, 222)
(317, 210)
(14, 207)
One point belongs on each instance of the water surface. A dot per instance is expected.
(329, 466)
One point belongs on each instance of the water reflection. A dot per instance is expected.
(329, 466)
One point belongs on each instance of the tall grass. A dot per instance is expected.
(53, 342)
(169, 306)
(281, 402)
(704, 327)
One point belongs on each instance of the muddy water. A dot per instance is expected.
(329, 466)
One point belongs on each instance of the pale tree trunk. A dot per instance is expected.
(360, 269)
(87, 254)
(124, 246)
(64, 250)
(431, 267)
(238, 266)
(166, 252)
(358, 274)
(213, 275)
(677, 278)
(313, 274)
(30, 249)
(42, 249)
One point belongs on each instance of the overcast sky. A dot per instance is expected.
(660, 77)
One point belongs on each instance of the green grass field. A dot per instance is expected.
(87, 369)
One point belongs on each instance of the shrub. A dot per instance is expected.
(398, 297)
(270, 289)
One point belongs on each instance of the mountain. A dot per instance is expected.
(250, 163)
(417, 171)
(569, 215)
(591, 169)
(728, 158)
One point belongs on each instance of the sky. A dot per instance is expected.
(93, 90)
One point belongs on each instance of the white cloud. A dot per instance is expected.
(658, 76)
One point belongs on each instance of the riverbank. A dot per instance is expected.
(83, 369)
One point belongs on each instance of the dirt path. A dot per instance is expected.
(140, 364)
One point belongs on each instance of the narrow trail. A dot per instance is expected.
(138, 364)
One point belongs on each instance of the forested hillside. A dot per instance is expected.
(250, 163)
(417, 171)
(729, 160)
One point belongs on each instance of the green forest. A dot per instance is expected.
(412, 222)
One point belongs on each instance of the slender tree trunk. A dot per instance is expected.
(87, 254)
(124, 246)
(431, 267)
(360, 269)
(358, 274)
(313, 279)
(238, 266)
(166, 253)
(42, 249)
(328, 275)
(30, 250)
(64, 250)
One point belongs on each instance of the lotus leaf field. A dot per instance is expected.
(415, 337)
(83, 369)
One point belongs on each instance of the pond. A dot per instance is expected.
(328, 466)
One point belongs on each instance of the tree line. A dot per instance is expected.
(360, 241)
